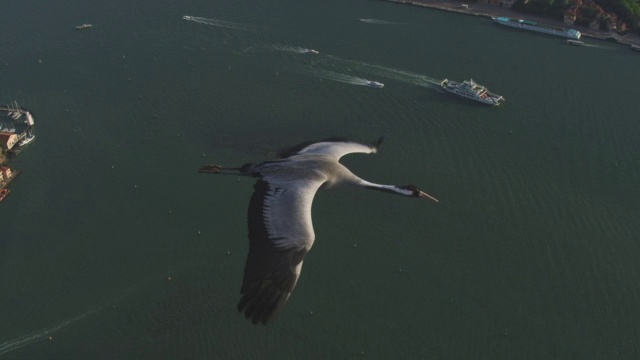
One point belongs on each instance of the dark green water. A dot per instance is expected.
(531, 253)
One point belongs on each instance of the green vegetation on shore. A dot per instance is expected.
(553, 8)
(627, 12)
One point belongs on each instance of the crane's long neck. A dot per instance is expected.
(407, 190)
(386, 188)
(344, 175)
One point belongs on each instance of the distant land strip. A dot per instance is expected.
(495, 11)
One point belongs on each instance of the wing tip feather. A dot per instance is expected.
(262, 306)
(292, 150)
(376, 144)
(287, 152)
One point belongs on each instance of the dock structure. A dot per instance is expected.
(8, 140)
(7, 175)
(13, 108)
(15, 112)
(12, 142)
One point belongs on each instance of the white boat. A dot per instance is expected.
(7, 128)
(27, 139)
(539, 27)
(469, 89)
(83, 26)
(29, 119)
(374, 84)
(311, 51)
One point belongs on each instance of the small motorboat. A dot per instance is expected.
(83, 26)
(374, 84)
(311, 51)
(27, 139)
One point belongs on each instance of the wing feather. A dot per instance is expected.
(335, 148)
(280, 235)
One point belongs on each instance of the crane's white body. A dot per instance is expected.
(279, 218)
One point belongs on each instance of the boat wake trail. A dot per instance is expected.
(42, 333)
(390, 73)
(598, 46)
(291, 49)
(221, 23)
(335, 76)
(380, 22)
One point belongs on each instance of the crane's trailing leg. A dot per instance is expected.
(217, 169)
(210, 169)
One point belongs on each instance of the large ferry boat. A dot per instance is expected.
(535, 26)
(471, 90)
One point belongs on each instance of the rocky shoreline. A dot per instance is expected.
(495, 11)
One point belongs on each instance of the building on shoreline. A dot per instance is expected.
(8, 140)
(6, 177)
(5, 174)
(495, 8)
(504, 3)
(570, 17)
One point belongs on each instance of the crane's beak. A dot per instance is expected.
(425, 195)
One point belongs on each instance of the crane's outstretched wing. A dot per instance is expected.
(280, 235)
(335, 148)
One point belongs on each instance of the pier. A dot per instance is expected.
(4, 182)
(15, 112)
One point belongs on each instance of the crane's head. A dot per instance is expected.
(412, 190)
